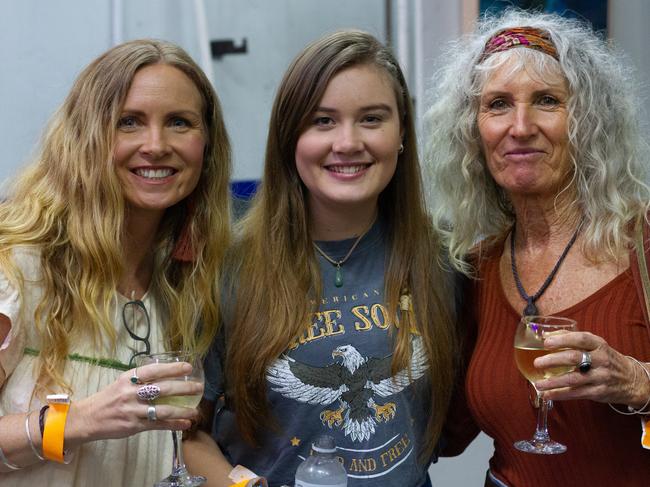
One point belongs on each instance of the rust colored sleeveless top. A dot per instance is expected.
(604, 448)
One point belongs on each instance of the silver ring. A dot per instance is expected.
(148, 392)
(151, 413)
(585, 363)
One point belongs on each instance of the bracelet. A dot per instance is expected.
(630, 409)
(41, 416)
(7, 463)
(642, 409)
(53, 433)
(29, 437)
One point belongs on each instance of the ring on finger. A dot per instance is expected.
(134, 378)
(148, 392)
(585, 363)
(151, 413)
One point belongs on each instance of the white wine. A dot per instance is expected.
(525, 356)
(529, 344)
(180, 401)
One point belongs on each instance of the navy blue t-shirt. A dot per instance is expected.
(336, 379)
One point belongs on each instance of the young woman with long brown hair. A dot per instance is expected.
(339, 320)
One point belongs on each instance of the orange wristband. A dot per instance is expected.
(53, 434)
(242, 476)
(244, 483)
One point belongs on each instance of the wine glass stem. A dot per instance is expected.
(541, 431)
(178, 464)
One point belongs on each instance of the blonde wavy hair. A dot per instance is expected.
(69, 204)
(278, 279)
(609, 177)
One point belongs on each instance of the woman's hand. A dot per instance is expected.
(117, 412)
(613, 377)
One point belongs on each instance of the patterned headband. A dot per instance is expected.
(530, 37)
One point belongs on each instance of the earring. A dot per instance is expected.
(401, 149)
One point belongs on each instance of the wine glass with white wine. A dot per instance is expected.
(179, 477)
(529, 344)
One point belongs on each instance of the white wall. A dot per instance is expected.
(44, 45)
(628, 27)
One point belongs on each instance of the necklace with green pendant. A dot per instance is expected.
(338, 277)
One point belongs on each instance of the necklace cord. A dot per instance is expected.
(347, 256)
(338, 279)
(530, 308)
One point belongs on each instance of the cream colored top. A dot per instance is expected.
(139, 460)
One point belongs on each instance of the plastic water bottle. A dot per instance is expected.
(322, 467)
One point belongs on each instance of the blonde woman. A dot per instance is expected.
(110, 243)
(341, 319)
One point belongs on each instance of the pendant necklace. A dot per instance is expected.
(531, 309)
(338, 277)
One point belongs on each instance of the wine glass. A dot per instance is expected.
(179, 477)
(529, 344)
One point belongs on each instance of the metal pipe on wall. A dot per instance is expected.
(388, 22)
(117, 22)
(402, 37)
(203, 38)
(418, 86)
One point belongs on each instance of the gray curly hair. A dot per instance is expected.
(609, 178)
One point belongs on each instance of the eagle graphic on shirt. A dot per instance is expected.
(358, 383)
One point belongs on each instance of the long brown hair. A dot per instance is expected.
(70, 205)
(278, 272)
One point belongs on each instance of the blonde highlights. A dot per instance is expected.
(70, 205)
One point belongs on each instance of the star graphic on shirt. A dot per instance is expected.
(295, 441)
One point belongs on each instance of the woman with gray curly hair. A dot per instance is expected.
(535, 154)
